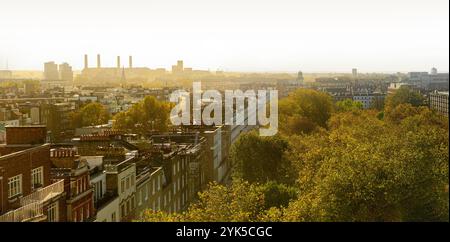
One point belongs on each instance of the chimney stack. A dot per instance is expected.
(118, 62)
(98, 61)
(86, 61)
(130, 61)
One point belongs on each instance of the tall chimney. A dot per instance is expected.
(118, 62)
(98, 61)
(130, 61)
(86, 61)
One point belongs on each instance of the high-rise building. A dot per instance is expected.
(300, 77)
(439, 101)
(51, 71)
(178, 68)
(130, 61)
(355, 72)
(65, 72)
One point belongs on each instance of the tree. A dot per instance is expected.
(261, 159)
(402, 96)
(367, 170)
(278, 195)
(304, 110)
(348, 105)
(240, 202)
(149, 114)
(90, 114)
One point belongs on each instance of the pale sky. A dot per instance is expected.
(230, 35)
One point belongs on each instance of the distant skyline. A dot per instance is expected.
(229, 35)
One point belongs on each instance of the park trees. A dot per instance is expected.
(148, 114)
(90, 114)
(304, 110)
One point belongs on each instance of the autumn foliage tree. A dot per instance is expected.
(90, 114)
(261, 159)
(240, 201)
(149, 114)
(304, 110)
(366, 170)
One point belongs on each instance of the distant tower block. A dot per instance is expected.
(98, 61)
(86, 62)
(118, 62)
(300, 77)
(130, 61)
(355, 72)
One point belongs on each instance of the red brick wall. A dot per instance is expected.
(26, 135)
(86, 203)
(23, 163)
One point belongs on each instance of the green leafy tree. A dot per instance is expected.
(90, 114)
(149, 114)
(261, 159)
(304, 110)
(348, 105)
(278, 194)
(239, 202)
(403, 95)
(367, 170)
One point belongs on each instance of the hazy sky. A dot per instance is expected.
(233, 35)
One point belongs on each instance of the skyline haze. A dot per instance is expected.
(253, 36)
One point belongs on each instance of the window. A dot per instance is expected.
(83, 181)
(78, 186)
(15, 186)
(113, 217)
(153, 187)
(128, 182)
(52, 212)
(81, 214)
(37, 177)
(122, 185)
(132, 180)
(88, 209)
(75, 216)
(158, 184)
(122, 209)
(146, 191)
(140, 197)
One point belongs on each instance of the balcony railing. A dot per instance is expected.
(24, 213)
(44, 194)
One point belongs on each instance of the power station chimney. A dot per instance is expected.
(98, 61)
(86, 61)
(130, 61)
(118, 62)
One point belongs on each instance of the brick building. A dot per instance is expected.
(27, 192)
(67, 165)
